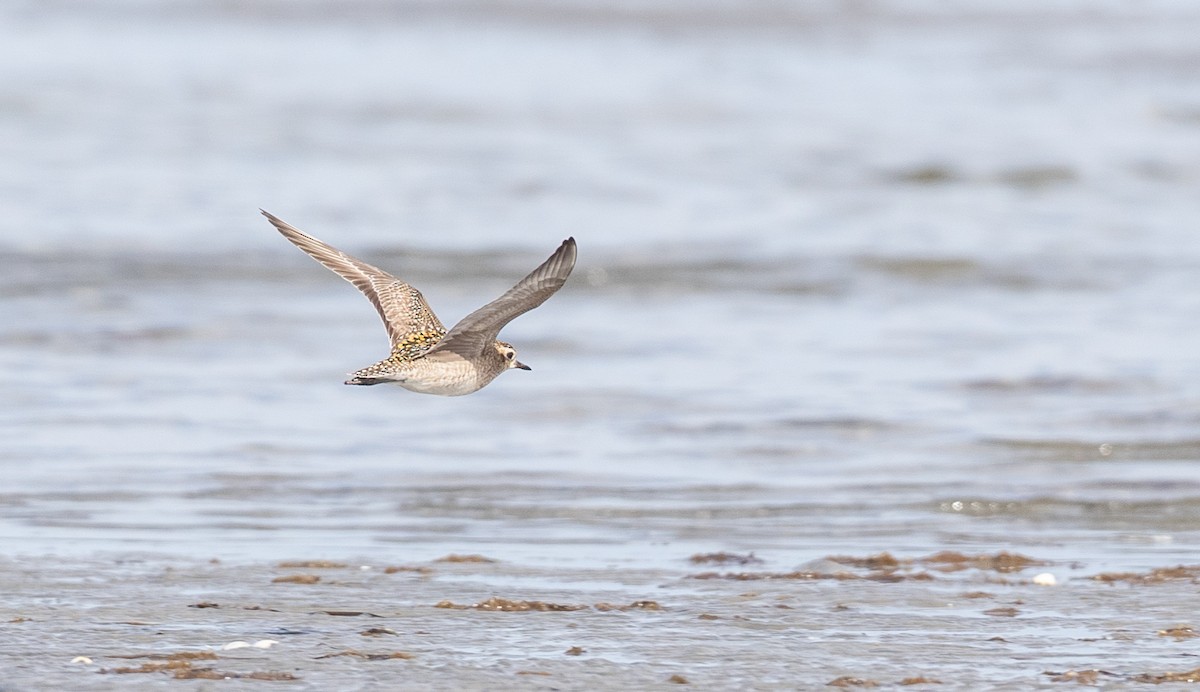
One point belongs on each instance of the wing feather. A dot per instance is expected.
(402, 307)
(478, 330)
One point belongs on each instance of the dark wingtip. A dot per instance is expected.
(280, 225)
(275, 220)
(569, 252)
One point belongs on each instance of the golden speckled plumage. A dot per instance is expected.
(416, 344)
(425, 356)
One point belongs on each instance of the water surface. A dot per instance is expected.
(853, 279)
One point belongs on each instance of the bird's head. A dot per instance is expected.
(509, 354)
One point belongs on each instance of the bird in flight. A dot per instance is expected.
(425, 357)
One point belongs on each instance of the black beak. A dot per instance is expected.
(522, 366)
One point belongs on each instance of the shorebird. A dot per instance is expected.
(425, 357)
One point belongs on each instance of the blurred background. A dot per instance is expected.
(915, 241)
(855, 276)
(889, 256)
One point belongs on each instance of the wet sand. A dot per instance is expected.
(727, 621)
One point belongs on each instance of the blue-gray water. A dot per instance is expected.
(853, 278)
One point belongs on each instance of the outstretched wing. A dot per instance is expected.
(402, 307)
(478, 330)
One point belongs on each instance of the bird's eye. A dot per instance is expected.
(509, 354)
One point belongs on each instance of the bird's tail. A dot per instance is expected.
(366, 381)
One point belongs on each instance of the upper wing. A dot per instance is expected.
(477, 331)
(402, 307)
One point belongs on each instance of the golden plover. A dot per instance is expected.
(425, 356)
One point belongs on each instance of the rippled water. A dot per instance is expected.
(853, 279)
